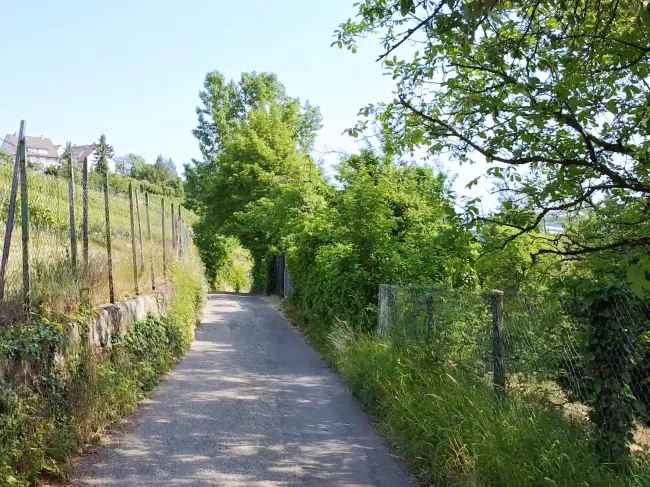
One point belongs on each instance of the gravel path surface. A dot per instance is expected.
(252, 405)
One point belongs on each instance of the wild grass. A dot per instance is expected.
(445, 421)
(453, 432)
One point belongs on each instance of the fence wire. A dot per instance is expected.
(545, 339)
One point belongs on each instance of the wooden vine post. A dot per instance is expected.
(137, 212)
(148, 221)
(134, 254)
(85, 290)
(179, 224)
(71, 206)
(164, 242)
(173, 225)
(107, 218)
(21, 152)
(11, 216)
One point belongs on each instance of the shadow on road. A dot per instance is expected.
(251, 405)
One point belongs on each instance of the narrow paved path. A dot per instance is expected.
(252, 405)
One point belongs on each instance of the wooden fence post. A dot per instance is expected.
(137, 211)
(173, 225)
(71, 204)
(84, 213)
(134, 253)
(179, 224)
(24, 216)
(498, 346)
(11, 215)
(146, 206)
(85, 290)
(109, 251)
(164, 243)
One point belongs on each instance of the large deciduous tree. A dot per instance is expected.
(254, 139)
(553, 94)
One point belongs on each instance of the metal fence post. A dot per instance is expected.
(146, 206)
(24, 216)
(134, 253)
(71, 203)
(11, 215)
(109, 252)
(498, 346)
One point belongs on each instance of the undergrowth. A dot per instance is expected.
(452, 431)
(68, 403)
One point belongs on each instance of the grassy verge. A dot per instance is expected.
(450, 429)
(68, 405)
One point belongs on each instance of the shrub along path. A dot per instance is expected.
(251, 405)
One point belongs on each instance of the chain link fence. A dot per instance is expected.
(542, 347)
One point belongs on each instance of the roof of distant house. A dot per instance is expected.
(80, 152)
(34, 143)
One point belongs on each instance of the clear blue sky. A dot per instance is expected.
(132, 69)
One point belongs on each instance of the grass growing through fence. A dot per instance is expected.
(452, 431)
(446, 423)
(56, 285)
(67, 406)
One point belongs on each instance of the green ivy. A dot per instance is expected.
(610, 358)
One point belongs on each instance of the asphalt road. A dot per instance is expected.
(251, 405)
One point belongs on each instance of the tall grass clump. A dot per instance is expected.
(451, 429)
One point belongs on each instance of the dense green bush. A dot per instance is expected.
(228, 265)
(386, 224)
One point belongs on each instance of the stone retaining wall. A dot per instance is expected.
(120, 317)
(108, 320)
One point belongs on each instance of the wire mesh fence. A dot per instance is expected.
(146, 238)
(547, 343)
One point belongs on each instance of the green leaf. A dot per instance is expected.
(406, 7)
(637, 277)
(612, 106)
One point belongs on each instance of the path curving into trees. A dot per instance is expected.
(251, 405)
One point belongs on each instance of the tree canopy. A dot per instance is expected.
(254, 139)
(554, 95)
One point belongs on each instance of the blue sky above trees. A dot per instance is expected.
(134, 69)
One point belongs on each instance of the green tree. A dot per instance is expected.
(104, 154)
(388, 223)
(554, 95)
(125, 164)
(5, 158)
(253, 138)
(227, 105)
(162, 173)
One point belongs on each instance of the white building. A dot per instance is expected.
(40, 150)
